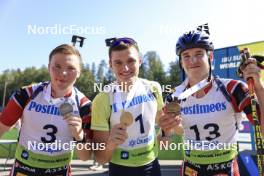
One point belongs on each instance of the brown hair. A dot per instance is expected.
(67, 50)
(121, 46)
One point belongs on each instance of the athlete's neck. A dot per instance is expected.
(126, 86)
(194, 80)
(60, 93)
(202, 92)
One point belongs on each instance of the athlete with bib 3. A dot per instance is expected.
(212, 111)
(53, 114)
(124, 115)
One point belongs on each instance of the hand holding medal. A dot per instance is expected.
(170, 121)
(74, 122)
(118, 133)
(173, 107)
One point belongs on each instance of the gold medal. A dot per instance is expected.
(173, 107)
(66, 109)
(126, 118)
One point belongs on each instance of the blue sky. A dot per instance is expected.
(154, 24)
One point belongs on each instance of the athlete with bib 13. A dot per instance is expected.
(209, 119)
(45, 143)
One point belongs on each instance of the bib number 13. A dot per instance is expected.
(212, 128)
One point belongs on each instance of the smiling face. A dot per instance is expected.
(195, 63)
(125, 64)
(64, 69)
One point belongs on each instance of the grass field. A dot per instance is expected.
(165, 155)
(176, 154)
(4, 148)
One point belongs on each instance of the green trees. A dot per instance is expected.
(152, 68)
(174, 73)
(10, 80)
(85, 82)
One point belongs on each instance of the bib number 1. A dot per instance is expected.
(140, 119)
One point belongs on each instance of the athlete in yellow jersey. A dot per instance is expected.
(123, 116)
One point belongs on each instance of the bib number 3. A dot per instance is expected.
(51, 131)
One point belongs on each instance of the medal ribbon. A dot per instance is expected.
(129, 96)
(188, 92)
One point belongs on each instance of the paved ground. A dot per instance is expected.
(81, 168)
